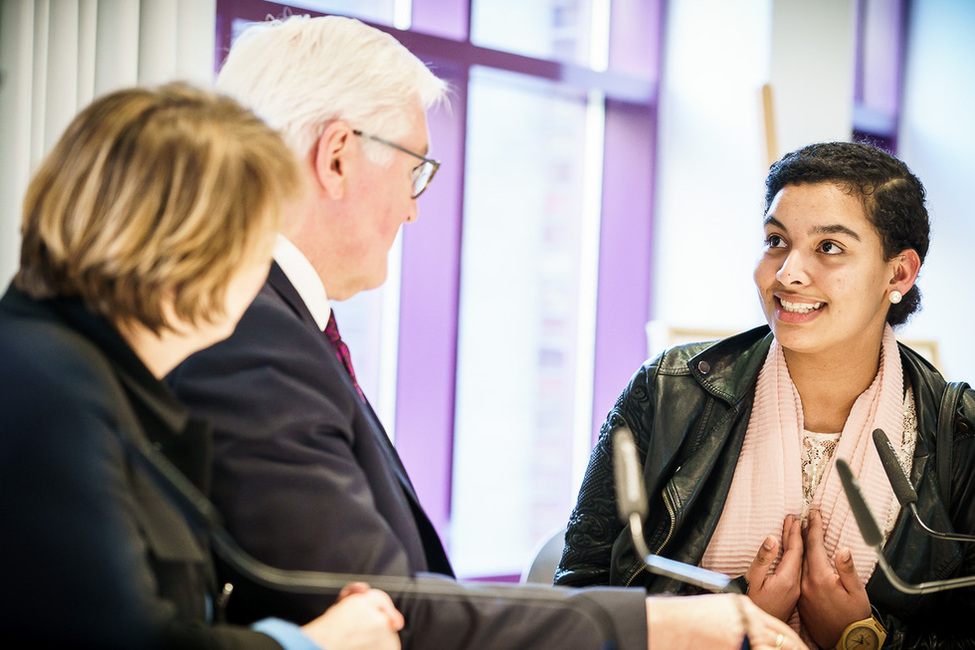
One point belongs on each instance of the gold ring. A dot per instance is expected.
(778, 641)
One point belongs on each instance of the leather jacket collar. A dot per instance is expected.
(688, 410)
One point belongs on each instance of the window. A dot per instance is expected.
(523, 306)
(879, 70)
(559, 30)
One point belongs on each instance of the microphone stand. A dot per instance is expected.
(631, 501)
(903, 490)
(952, 537)
(873, 537)
(718, 583)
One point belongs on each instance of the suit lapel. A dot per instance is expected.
(279, 283)
(282, 286)
(433, 549)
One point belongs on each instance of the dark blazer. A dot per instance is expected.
(306, 478)
(95, 554)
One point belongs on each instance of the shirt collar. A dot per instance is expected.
(302, 275)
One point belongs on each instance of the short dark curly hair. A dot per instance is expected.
(892, 197)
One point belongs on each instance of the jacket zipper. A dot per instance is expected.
(670, 532)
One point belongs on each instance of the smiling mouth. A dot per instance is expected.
(800, 307)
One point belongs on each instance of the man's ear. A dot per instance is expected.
(331, 158)
(905, 267)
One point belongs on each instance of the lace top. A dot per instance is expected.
(818, 449)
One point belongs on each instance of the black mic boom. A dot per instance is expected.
(903, 489)
(873, 537)
(631, 501)
(858, 504)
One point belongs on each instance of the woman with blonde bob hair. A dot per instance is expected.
(146, 233)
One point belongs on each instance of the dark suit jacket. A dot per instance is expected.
(306, 478)
(95, 554)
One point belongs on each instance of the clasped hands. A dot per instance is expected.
(828, 598)
(361, 619)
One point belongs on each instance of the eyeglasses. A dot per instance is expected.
(422, 173)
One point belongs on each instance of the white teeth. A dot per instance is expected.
(800, 307)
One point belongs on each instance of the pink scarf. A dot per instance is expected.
(767, 484)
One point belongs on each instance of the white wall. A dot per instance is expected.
(710, 164)
(937, 140)
(811, 70)
(711, 158)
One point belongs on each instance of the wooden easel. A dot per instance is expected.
(768, 115)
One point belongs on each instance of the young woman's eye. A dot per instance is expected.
(830, 248)
(774, 241)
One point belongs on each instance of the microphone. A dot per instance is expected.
(903, 489)
(873, 537)
(632, 505)
(858, 504)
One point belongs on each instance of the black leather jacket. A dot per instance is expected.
(688, 410)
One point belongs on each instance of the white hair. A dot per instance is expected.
(302, 73)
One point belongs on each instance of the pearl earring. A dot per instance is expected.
(895, 297)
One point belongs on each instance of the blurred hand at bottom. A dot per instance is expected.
(717, 622)
(361, 619)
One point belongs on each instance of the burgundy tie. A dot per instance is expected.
(341, 351)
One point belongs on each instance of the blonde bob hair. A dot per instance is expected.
(153, 197)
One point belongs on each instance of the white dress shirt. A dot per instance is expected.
(305, 279)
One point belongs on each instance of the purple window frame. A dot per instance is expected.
(430, 286)
(880, 56)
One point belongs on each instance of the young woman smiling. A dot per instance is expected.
(740, 437)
